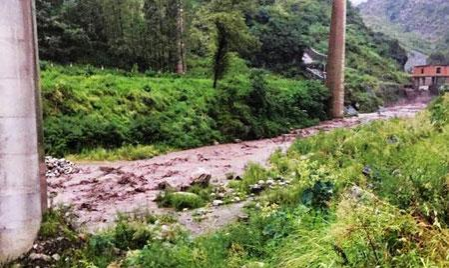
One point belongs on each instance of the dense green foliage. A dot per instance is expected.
(161, 36)
(94, 112)
(88, 108)
(346, 207)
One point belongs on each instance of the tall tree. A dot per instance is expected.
(221, 57)
(181, 67)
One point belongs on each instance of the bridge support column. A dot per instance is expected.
(336, 59)
(21, 203)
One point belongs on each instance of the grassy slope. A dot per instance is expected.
(96, 112)
(398, 215)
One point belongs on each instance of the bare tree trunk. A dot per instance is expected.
(181, 67)
(336, 59)
(21, 202)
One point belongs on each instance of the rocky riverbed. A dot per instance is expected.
(99, 191)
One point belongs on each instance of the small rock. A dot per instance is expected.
(82, 237)
(230, 176)
(256, 188)
(56, 257)
(113, 265)
(350, 111)
(255, 265)
(217, 203)
(356, 192)
(392, 140)
(201, 177)
(40, 257)
(125, 179)
(163, 185)
(140, 189)
(367, 171)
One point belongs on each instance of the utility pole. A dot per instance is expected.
(336, 59)
(21, 198)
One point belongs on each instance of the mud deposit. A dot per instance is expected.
(99, 191)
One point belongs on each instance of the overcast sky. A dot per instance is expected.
(356, 2)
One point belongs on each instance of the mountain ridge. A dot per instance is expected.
(419, 24)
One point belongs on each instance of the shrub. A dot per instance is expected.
(440, 111)
(180, 200)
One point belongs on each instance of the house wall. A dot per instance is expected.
(429, 70)
(428, 76)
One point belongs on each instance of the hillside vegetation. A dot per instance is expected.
(419, 24)
(373, 196)
(194, 72)
(87, 108)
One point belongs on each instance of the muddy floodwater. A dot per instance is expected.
(99, 191)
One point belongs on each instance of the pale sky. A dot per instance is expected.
(356, 2)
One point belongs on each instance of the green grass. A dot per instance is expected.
(196, 196)
(180, 200)
(126, 152)
(91, 113)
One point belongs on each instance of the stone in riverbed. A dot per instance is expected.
(58, 167)
(257, 188)
(201, 178)
(40, 257)
(217, 203)
(350, 111)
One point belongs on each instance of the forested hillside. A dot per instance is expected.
(191, 45)
(419, 24)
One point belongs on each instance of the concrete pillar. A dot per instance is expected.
(336, 59)
(20, 134)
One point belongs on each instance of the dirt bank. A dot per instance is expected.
(99, 191)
